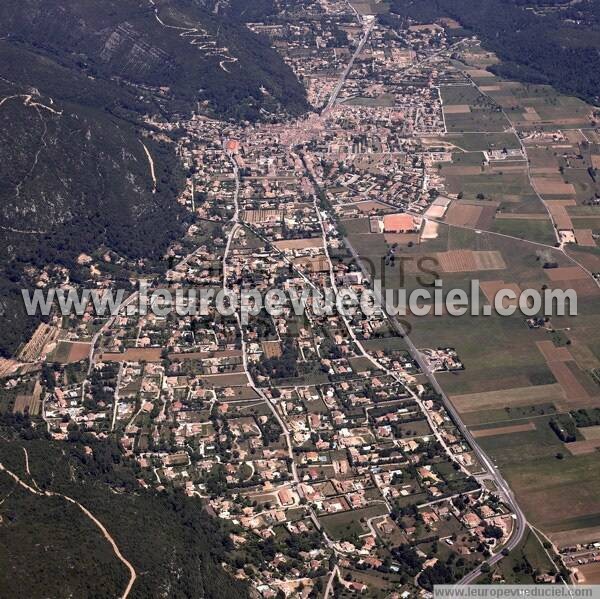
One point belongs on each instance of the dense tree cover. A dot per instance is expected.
(564, 428)
(408, 558)
(586, 417)
(284, 366)
(533, 48)
(76, 179)
(175, 547)
(439, 573)
(123, 39)
(242, 10)
(492, 532)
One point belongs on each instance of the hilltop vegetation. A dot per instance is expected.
(172, 543)
(74, 177)
(122, 40)
(533, 48)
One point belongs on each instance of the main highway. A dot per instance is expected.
(503, 489)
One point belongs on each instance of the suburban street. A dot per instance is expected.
(493, 472)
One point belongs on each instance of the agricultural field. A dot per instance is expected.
(480, 142)
(516, 379)
(540, 467)
(557, 133)
(67, 352)
(467, 110)
(530, 227)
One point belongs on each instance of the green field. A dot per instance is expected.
(508, 415)
(479, 142)
(496, 186)
(478, 120)
(541, 231)
(556, 494)
(345, 525)
(463, 94)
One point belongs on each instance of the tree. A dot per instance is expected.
(493, 532)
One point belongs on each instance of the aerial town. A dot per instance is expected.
(323, 440)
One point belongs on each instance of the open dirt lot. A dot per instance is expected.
(591, 433)
(401, 238)
(560, 216)
(563, 367)
(585, 237)
(552, 353)
(228, 379)
(590, 573)
(134, 354)
(553, 185)
(520, 396)
(299, 244)
(491, 288)
(457, 109)
(78, 351)
(583, 447)
(566, 273)
(68, 352)
(504, 430)
(576, 392)
(463, 215)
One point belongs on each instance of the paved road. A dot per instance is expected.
(340, 84)
(329, 588)
(504, 491)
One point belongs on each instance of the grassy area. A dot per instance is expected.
(496, 186)
(522, 447)
(558, 491)
(556, 494)
(520, 566)
(463, 94)
(348, 525)
(508, 414)
(541, 231)
(478, 142)
(479, 119)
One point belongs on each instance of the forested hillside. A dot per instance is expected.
(176, 49)
(74, 177)
(175, 548)
(533, 47)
